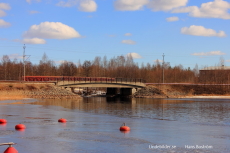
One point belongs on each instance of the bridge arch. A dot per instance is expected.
(126, 84)
(127, 87)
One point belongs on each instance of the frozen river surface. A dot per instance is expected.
(157, 125)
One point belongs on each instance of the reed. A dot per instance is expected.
(14, 91)
(11, 95)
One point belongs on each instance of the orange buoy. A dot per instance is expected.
(125, 132)
(3, 121)
(10, 150)
(3, 124)
(20, 127)
(124, 128)
(62, 120)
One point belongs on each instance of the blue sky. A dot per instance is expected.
(188, 32)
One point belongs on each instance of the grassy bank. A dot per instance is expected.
(15, 91)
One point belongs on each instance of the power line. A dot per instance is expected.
(24, 48)
(24, 60)
(78, 51)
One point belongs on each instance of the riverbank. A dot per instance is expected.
(17, 90)
(181, 91)
(14, 91)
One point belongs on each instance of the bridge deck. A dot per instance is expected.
(107, 84)
(70, 81)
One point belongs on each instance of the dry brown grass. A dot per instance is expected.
(22, 86)
(11, 95)
(14, 91)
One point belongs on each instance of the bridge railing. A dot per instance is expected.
(85, 79)
(123, 80)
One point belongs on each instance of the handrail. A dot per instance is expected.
(91, 79)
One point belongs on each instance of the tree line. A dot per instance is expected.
(119, 66)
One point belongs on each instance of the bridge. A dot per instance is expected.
(127, 86)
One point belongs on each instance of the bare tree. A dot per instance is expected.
(221, 62)
(86, 68)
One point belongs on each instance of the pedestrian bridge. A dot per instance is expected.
(105, 82)
(127, 85)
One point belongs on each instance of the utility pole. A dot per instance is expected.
(24, 48)
(163, 65)
(24, 61)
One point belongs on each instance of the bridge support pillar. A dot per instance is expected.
(127, 91)
(111, 91)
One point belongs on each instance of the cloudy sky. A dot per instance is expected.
(187, 32)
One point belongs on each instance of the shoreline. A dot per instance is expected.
(170, 91)
(208, 97)
(18, 91)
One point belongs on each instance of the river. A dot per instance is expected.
(157, 125)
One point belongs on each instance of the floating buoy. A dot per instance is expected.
(20, 127)
(3, 124)
(10, 149)
(62, 120)
(124, 128)
(125, 132)
(3, 121)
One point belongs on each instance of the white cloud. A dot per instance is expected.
(2, 13)
(157, 61)
(202, 31)
(87, 6)
(30, 41)
(128, 34)
(166, 5)
(60, 62)
(227, 60)
(215, 9)
(4, 23)
(134, 55)
(5, 6)
(33, 12)
(29, 1)
(83, 5)
(33, 41)
(171, 19)
(154, 5)
(209, 53)
(129, 5)
(15, 56)
(51, 30)
(184, 9)
(130, 42)
(68, 3)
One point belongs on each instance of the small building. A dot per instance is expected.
(215, 75)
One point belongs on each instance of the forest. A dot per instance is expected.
(119, 66)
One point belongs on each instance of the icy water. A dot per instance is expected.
(157, 125)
